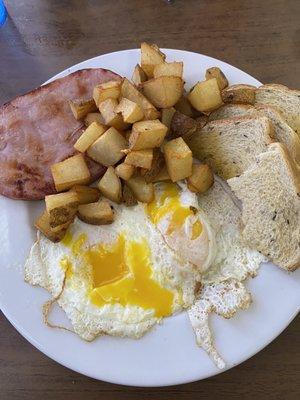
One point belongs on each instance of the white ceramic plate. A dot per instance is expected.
(168, 354)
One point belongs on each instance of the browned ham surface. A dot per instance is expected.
(38, 129)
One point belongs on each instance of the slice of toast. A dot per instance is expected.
(230, 146)
(285, 99)
(230, 110)
(270, 195)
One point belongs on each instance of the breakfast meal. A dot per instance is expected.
(156, 199)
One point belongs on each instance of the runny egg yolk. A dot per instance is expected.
(122, 274)
(169, 203)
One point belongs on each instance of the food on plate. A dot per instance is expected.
(168, 69)
(89, 136)
(201, 121)
(140, 158)
(142, 190)
(150, 57)
(179, 159)
(163, 175)
(201, 179)
(147, 134)
(98, 213)
(56, 234)
(86, 194)
(286, 100)
(269, 191)
(61, 207)
(107, 150)
(163, 92)
(72, 171)
(131, 111)
(230, 146)
(107, 90)
(215, 72)
(184, 106)
(80, 108)
(229, 110)
(205, 96)
(107, 109)
(158, 162)
(244, 94)
(110, 186)
(124, 171)
(128, 197)
(139, 76)
(166, 116)
(93, 117)
(182, 125)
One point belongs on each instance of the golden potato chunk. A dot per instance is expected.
(184, 106)
(147, 134)
(107, 90)
(139, 76)
(129, 91)
(89, 136)
(182, 125)
(61, 207)
(140, 158)
(150, 57)
(110, 186)
(163, 92)
(158, 162)
(168, 69)
(70, 172)
(107, 149)
(215, 72)
(141, 190)
(131, 111)
(111, 118)
(54, 234)
(166, 116)
(206, 96)
(80, 108)
(124, 171)
(93, 117)
(86, 194)
(201, 179)
(244, 94)
(179, 159)
(128, 197)
(99, 213)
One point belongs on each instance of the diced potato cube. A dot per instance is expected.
(111, 118)
(184, 106)
(147, 134)
(168, 69)
(166, 116)
(70, 172)
(107, 90)
(125, 171)
(89, 136)
(80, 108)
(61, 207)
(93, 117)
(129, 91)
(138, 75)
(201, 179)
(182, 125)
(150, 56)
(128, 197)
(142, 190)
(140, 158)
(86, 194)
(206, 96)
(110, 185)
(131, 111)
(158, 162)
(99, 213)
(163, 92)
(107, 149)
(54, 234)
(163, 175)
(215, 72)
(179, 159)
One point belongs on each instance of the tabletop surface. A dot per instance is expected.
(42, 38)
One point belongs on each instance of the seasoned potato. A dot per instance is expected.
(110, 185)
(168, 69)
(163, 175)
(206, 96)
(80, 108)
(107, 90)
(54, 234)
(163, 92)
(158, 162)
(93, 117)
(86, 194)
(140, 158)
(166, 116)
(99, 213)
(70, 172)
(244, 94)
(179, 159)
(182, 125)
(107, 149)
(128, 197)
(201, 179)
(61, 207)
(147, 134)
(89, 136)
(142, 190)
(124, 171)
(215, 72)
(111, 118)
(138, 75)
(150, 57)
(129, 91)
(131, 111)
(201, 121)
(184, 106)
